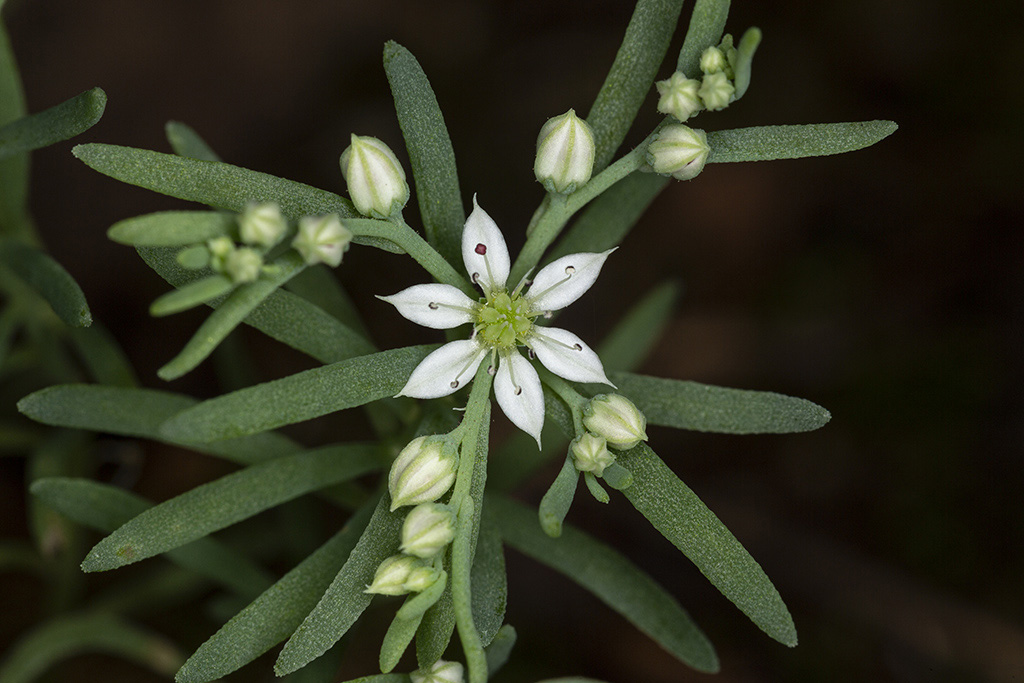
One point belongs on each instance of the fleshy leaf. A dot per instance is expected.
(555, 504)
(277, 612)
(488, 580)
(706, 27)
(500, 648)
(296, 398)
(172, 228)
(629, 81)
(187, 143)
(676, 511)
(765, 143)
(49, 279)
(745, 58)
(191, 295)
(706, 408)
(611, 577)
(61, 122)
(225, 501)
(430, 151)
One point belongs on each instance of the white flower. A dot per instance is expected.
(503, 320)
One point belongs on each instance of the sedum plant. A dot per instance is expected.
(428, 502)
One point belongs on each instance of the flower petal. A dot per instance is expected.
(517, 388)
(484, 251)
(566, 355)
(445, 371)
(564, 280)
(438, 306)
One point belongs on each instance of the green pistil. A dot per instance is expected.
(504, 321)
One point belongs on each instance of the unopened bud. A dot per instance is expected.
(614, 417)
(679, 96)
(322, 239)
(392, 574)
(422, 472)
(375, 177)
(427, 530)
(262, 224)
(243, 264)
(565, 153)
(420, 579)
(220, 248)
(439, 672)
(716, 91)
(679, 151)
(590, 454)
(713, 60)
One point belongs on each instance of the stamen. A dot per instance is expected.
(569, 272)
(512, 375)
(492, 369)
(432, 305)
(481, 249)
(455, 382)
(578, 347)
(551, 340)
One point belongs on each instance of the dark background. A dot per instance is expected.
(883, 284)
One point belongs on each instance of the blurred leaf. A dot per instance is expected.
(612, 578)
(215, 184)
(139, 413)
(274, 615)
(103, 357)
(105, 508)
(706, 27)
(228, 500)
(500, 648)
(344, 600)
(14, 170)
(636, 333)
(609, 218)
(706, 408)
(744, 59)
(675, 511)
(632, 74)
(17, 556)
(70, 635)
(191, 295)
(172, 228)
(49, 279)
(765, 143)
(319, 286)
(239, 304)
(555, 504)
(296, 398)
(382, 678)
(187, 143)
(430, 151)
(488, 580)
(282, 315)
(63, 121)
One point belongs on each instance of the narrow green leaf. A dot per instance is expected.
(69, 635)
(172, 228)
(595, 488)
(555, 504)
(488, 581)
(609, 218)
(415, 605)
(282, 316)
(344, 600)
(138, 413)
(765, 143)
(14, 170)
(187, 143)
(277, 612)
(319, 286)
(745, 59)
(676, 511)
(239, 304)
(49, 279)
(430, 151)
(215, 184)
(706, 27)
(191, 295)
(611, 577)
(299, 397)
(63, 121)
(636, 333)
(500, 648)
(706, 408)
(632, 74)
(104, 507)
(228, 500)
(396, 640)
(103, 357)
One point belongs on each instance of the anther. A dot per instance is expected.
(548, 315)
(454, 384)
(481, 249)
(578, 347)
(569, 270)
(491, 370)
(476, 278)
(432, 305)
(519, 390)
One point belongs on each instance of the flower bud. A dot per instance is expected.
(716, 91)
(262, 224)
(713, 60)
(322, 239)
(679, 96)
(614, 417)
(220, 248)
(439, 672)
(427, 530)
(422, 472)
(194, 257)
(565, 153)
(420, 579)
(590, 454)
(243, 264)
(392, 574)
(376, 179)
(679, 151)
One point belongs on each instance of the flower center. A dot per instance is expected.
(504, 321)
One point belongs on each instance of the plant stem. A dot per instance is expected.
(569, 395)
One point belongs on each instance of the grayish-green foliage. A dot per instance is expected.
(61, 122)
(765, 143)
(49, 279)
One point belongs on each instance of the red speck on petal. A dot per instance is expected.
(481, 249)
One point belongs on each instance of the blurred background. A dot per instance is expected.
(882, 284)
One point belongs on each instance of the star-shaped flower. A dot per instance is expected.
(503, 321)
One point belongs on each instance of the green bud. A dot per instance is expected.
(322, 239)
(614, 417)
(375, 177)
(679, 96)
(220, 248)
(420, 579)
(713, 60)
(590, 454)
(422, 472)
(679, 151)
(262, 224)
(439, 672)
(565, 153)
(392, 574)
(427, 530)
(716, 91)
(243, 265)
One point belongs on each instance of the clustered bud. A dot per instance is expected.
(439, 672)
(322, 239)
(427, 530)
(590, 454)
(375, 177)
(565, 153)
(422, 472)
(678, 151)
(262, 224)
(614, 417)
(678, 96)
(243, 264)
